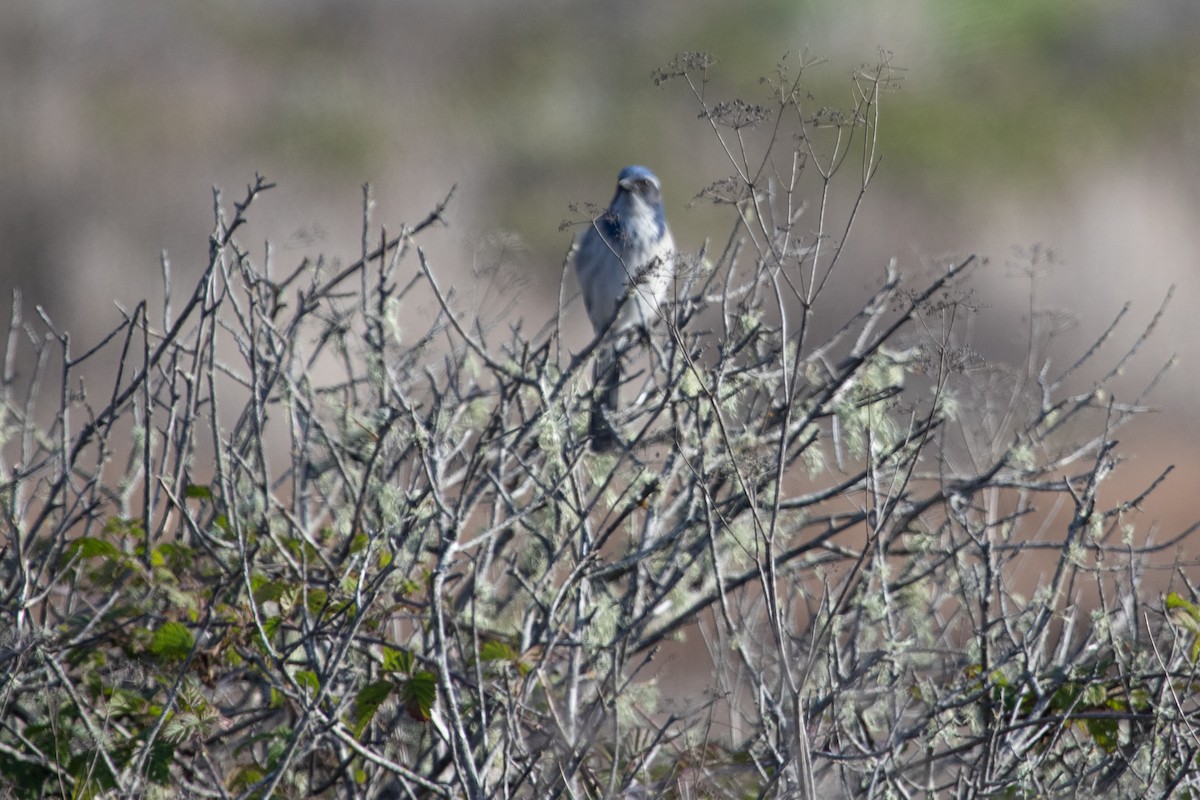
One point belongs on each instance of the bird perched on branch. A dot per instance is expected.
(625, 263)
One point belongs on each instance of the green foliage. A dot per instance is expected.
(418, 694)
(367, 702)
(87, 547)
(1186, 616)
(172, 641)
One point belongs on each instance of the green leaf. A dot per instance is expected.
(1183, 613)
(271, 626)
(1139, 699)
(1094, 695)
(1176, 600)
(397, 660)
(276, 747)
(25, 779)
(126, 702)
(120, 526)
(158, 767)
(271, 590)
(418, 694)
(496, 650)
(89, 547)
(173, 641)
(367, 702)
(245, 777)
(1065, 697)
(177, 557)
(94, 778)
(198, 491)
(1104, 732)
(308, 679)
(317, 600)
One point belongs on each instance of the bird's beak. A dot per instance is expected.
(626, 184)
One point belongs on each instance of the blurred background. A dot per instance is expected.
(1073, 125)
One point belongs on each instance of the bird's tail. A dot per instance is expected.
(607, 375)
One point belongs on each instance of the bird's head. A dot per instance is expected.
(640, 182)
(637, 205)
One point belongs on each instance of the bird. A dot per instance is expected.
(625, 262)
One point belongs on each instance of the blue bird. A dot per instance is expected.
(625, 263)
